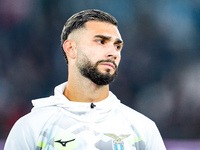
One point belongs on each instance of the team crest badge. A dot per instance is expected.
(118, 143)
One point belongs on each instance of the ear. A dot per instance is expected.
(69, 47)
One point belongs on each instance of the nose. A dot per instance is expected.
(112, 57)
(113, 54)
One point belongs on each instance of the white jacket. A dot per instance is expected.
(55, 123)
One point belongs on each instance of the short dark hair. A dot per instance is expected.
(79, 19)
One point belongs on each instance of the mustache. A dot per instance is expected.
(108, 60)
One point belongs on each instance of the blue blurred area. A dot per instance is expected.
(159, 74)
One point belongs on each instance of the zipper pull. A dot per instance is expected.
(92, 105)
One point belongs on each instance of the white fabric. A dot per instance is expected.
(55, 123)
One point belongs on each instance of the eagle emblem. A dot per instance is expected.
(118, 143)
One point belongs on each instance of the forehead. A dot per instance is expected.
(98, 27)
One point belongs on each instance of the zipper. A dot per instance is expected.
(91, 127)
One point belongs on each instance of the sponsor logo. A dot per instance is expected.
(65, 141)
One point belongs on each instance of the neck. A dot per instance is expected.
(85, 91)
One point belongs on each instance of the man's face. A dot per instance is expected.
(99, 52)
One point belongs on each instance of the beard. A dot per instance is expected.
(90, 71)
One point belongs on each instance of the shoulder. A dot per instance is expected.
(136, 119)
(144, 125)
(26, 129)
(131, 113)
(34, 118)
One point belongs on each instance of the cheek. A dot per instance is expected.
(118, 59)
(95, 54)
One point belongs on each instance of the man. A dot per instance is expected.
(83, 114)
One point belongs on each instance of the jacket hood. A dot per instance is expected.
(77, 108)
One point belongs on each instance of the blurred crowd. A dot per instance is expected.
(159, 74)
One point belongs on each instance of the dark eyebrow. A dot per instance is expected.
(119, 41)
(104, 37)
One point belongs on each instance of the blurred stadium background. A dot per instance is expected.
(159, 74)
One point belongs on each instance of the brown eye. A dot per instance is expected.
(100, 41)
(118, 47)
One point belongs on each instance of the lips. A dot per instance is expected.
(109, 65)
